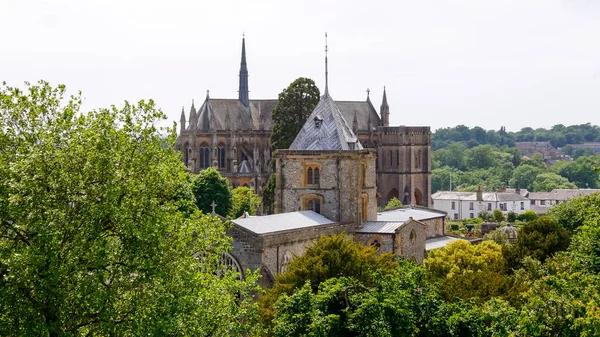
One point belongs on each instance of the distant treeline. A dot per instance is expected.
(559, 135)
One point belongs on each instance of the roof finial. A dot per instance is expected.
(368, 93)
(326, 72)
(207, 94)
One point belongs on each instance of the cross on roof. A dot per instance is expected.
(368, 92)
(213, 205)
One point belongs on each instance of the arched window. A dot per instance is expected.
(312, 174)
(365, 206)
(391, 158)
(186, 155)
(221, 153)
(204, 157)
(311, 202)
(364, 175)
(398, 158)
(311, 205)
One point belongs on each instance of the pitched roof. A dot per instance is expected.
(404, 213)
(282, 222)
(215, 110)
(472, 196)
(364, 111)
(326, 129)
(562, 194)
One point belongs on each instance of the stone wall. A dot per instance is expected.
(409, 245)
(386, 241)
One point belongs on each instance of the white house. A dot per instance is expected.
(463, 205)
(542, 201)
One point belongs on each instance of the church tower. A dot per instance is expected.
(243, 91)
(385, 110)
(326, 169)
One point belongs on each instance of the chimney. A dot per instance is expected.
(518, 190)
(479, 193)
(503, 189)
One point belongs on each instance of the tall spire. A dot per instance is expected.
(243, 91)
(182, 120)
(385, 110)
(326, 70)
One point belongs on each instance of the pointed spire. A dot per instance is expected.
(385, 110)
(326, 69)
(182, 120)
(243, 88)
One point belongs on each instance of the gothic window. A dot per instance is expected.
(413, 237)
(375, 242)
(225, 262)
(391, 158)
(312, 175)
(186, 155)
(204, 157)
(364, 175)
(312, 202)
(398, 158)
(221, 159)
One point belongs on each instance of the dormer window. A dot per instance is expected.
(318, 121)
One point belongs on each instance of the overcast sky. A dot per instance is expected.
(514, 63)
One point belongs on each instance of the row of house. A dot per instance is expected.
(463, 205)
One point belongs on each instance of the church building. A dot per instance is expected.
(233, 135)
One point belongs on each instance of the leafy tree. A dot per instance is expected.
(498, 236)
(540, 239)
(296, 103)
(511, 216)
(466, 271)
(574, 213)
(546, 182)
(244, 200)
(330, 256)
(581, 172)
(485, 215)
(94, 241)
(400, 303)
(393, 203)
(524, 176)
(497, 215)
(268, 196)
(208, 187)
(527, 216)
(480, 157)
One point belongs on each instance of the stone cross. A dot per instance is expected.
(213, 205)
(368, 92)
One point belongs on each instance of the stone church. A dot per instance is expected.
(326, 183)
(233, 136)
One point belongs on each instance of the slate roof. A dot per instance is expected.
(384, 227)
(562, 194)
(472, 196)
(326, 129)
(404, 213)
(231, 114)
(362, 110)
(439, 242)
(282, 222)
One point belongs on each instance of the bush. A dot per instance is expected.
(393, 203)
(511, 216)
(497, 215)
(485, 215)
(527, 216)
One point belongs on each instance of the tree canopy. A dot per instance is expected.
(295, 104)
(208, 187)
(244, 200)
(93, 240)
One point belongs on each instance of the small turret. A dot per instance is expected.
(182, 121)
(385, 110)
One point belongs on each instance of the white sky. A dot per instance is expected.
(480, 62)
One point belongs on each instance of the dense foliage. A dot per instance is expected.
(98, 231)
(244, 200)
(208, 187)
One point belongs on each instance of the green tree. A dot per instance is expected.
(527, 216)
(93, 240)
(540, 239)
(546, 182)
(574, 213)
(268, 196)
(393, 203)
(480, 157)
(330, 256)
(244, 200)
(296, 103)
(466, 271)
(511, 216)
(524, 176)
(208, 187)
(582, 172)
(497, 215)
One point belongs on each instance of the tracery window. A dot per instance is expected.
(204, 157)
(311, 202)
